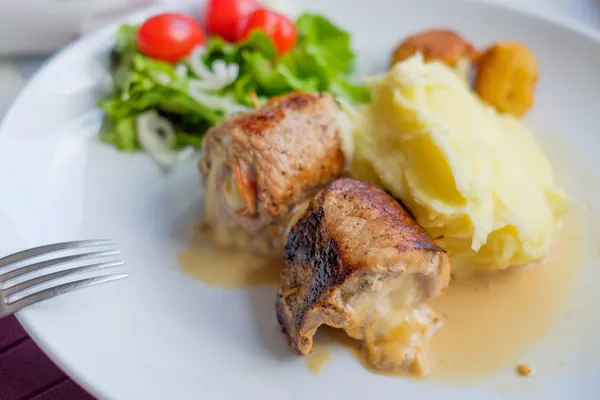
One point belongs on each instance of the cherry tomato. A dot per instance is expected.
(169, 37)
(278, 27)
(223, 16)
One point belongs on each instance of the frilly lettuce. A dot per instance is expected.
(320, 62)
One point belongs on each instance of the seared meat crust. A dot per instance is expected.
(353, 237)
(280, 156)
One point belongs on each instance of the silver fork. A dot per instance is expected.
(10, 302)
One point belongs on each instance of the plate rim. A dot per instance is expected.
(24, 317)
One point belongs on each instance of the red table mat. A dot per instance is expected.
(25, 371)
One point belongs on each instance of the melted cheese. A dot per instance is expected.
(394, 325)
(232, 194)
(218, 217)
(346, 119)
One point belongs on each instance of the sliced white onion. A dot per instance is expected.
(219, 68)
(201, 70)
(233, 70)
(157, 136)
(197, 65)
(162, 78)
(225, 103)
(212, 79)
(198, 52)
(181, 70)
(226, 73)
(204, 85)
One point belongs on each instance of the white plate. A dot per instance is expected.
(160, 335)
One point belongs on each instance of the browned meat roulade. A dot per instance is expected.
(356, 260)
(261, 169)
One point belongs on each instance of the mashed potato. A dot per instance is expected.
(473, 178)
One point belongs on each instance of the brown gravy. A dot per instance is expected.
(490, 319)
(320, 355)
(227, 268)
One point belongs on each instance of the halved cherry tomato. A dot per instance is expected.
(169, 37)
(278, 27)
(223, 16)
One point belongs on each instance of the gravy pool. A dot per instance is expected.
(489, 319)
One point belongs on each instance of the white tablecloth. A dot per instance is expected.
(15, 72)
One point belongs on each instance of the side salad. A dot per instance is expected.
(170, 84)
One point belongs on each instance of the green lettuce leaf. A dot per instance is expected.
(329, 45)
(120, 133)
(320, 62)
(273, 80)
(218, 49)
(125, 38)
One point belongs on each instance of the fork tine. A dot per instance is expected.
(26, 269)
(60, 289)
(51, 248)
(32, 283)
